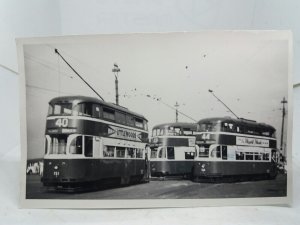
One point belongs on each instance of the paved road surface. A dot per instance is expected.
(168, 189)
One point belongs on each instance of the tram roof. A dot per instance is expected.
(81, 99)
(237, 121)
(192, 126)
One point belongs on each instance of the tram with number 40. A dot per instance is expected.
(237, 148)
(90, 142)
(172, 149)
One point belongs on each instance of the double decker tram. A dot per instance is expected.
(235, 148)
(89, 142)
(172, 149)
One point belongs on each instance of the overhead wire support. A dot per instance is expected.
(57, 52)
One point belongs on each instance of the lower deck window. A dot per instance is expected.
(108, 151)
(76, 145)
(266, 156)
(120, 152)
(249, 155)
(240, 156)
(216, 152)
(162, 153)
(258, 156)
(170, 153)
(139, 153)
(131, 152)
(88, 146)
(224, 152)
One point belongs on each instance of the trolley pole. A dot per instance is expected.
(176, 111)
(284, 101)
(116, 70)
(212, 92)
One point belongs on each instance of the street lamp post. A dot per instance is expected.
(116, 70)
(176, 106)
(284, 101)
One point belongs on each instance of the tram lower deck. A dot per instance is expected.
(171, 168)
(219, 169)
(80, 173)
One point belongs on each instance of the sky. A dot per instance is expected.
(246, 70)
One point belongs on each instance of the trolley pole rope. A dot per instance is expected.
(57, 52)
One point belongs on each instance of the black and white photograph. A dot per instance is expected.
(192, 118)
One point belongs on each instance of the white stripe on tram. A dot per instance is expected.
(237, 134)
(95, 120)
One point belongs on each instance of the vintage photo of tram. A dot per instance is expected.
(199, 116)
(173, 149)
(235, 148)
(89, 141)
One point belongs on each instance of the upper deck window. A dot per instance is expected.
(60, 109)
(229, 127)
(83, 109)
(120, 118)
(139, 123)
(108, 114)
(129, 120)
(209, 127)
(187, 131)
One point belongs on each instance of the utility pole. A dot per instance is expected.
(212, 92)
(284, 101)
(116, 70)
(176, 111)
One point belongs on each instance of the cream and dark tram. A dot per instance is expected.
(172, 149)
(89, 141)
(229, 147)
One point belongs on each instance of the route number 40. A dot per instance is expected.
(62, 122)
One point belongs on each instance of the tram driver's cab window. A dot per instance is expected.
(203, 151)
(58, 145)
(76, 145)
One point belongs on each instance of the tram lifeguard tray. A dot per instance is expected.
(156, 120)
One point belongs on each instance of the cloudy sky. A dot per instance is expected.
(247, 70)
